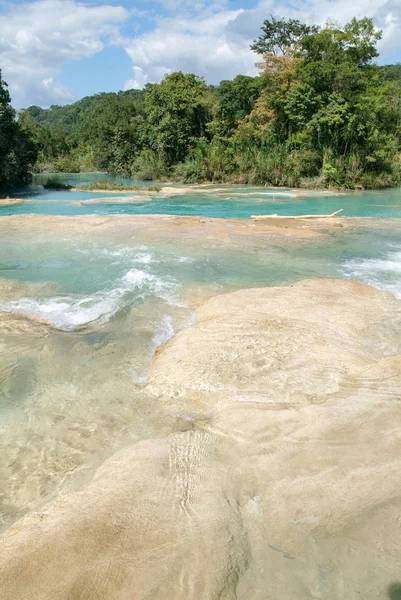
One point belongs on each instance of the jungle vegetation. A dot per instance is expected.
(321, 113)
(18, 153)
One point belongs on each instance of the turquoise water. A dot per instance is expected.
(84, 304)
(210, 201)
(111, 274)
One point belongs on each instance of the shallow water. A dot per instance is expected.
(223, 201)
(105, 302)
(84, 305)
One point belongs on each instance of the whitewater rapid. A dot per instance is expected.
(383, 272)
(71, 312)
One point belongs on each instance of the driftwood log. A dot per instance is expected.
(262, 217)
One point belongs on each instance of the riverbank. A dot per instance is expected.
(208, 201)
(310, 186)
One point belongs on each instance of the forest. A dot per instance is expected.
(320, 114)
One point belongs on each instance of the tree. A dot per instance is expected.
(321, 108)
(17, 152)
(281, 35)
(177, 110)
(341, 59)
(237, 98)
(324, 102)
(392, 72)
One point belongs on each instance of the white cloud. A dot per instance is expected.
(215, 43)
(207, 45)
(386, 15)
(194, 6)
(202, 36)
(38, 38)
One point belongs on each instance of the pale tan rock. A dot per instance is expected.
(144, 528)
(298, 343)
(11, 289)
(284, 485)
(10, 201)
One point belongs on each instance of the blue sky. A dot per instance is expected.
(57, 51)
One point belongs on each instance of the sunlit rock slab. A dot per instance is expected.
(283, 482)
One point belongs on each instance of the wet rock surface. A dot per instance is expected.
(280, 481)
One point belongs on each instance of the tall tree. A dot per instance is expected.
(17, 152)
(320, 109)
(326, 99)
(281, 36)
(237, 98)
(177, 110)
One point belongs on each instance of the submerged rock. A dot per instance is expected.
(144, 528)
(115, 200)
(285, 483)
(10, 201)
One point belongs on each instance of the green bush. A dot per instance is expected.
(111, 185)
(149, 166)
(55, 184)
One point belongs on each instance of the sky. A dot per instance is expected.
(57, 51)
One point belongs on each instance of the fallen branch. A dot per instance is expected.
(262, 217)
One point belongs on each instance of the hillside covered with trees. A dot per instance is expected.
(321, 114)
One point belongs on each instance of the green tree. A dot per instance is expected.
(280, 36)
(17, 152)
(82, 135)
(392, 72)
(326, 103)
(237, 98)
(321, 113)
(177, 111)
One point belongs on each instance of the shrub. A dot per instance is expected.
(55, 184)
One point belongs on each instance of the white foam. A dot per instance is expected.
(165, 288)
(66, 313)
(391, 264)
(184, 259)
(72, 312)
(139, 278)
(164, 332)
(139, 254)
(382, 273)
(144, 258)
(124, 252)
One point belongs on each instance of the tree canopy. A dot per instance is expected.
(177, 111)
(328, 108)
(281, 36)
(321, 113)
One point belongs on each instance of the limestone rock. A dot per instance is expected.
(284, 483)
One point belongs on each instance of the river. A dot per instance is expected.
(89, 293)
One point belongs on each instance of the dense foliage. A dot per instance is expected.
(17, 152)
(84, 135)
(327, 112)
(321, 113)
